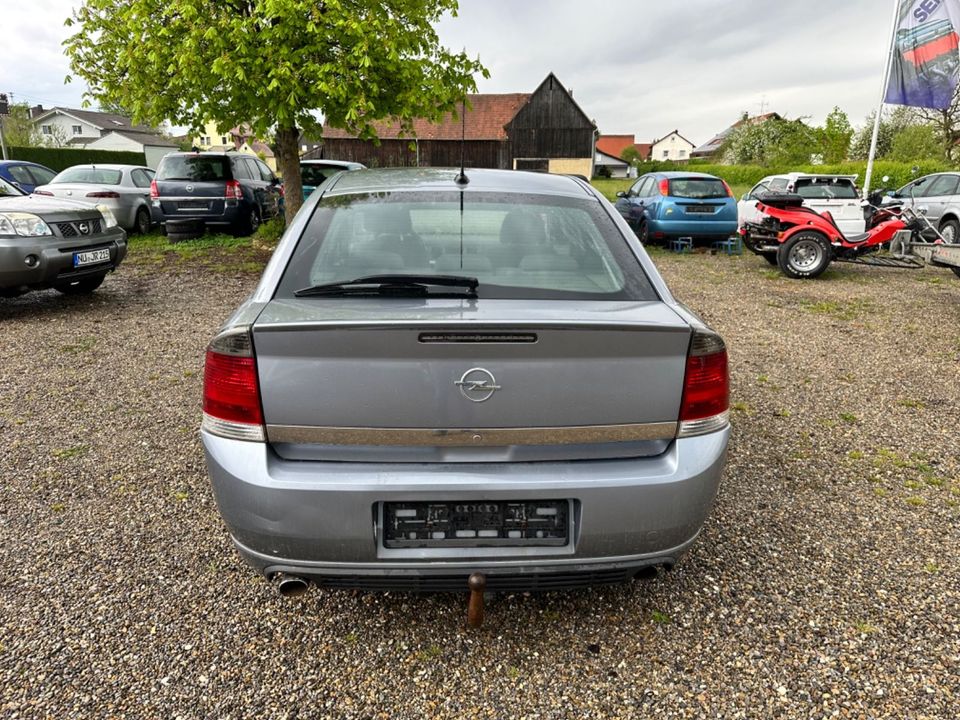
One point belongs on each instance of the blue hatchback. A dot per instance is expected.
(25, 175)
(664, 205)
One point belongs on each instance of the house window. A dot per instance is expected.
(46, 129)
(683, 154)
(223, 139)
(666, 154)
(77, 130)
(206, 140)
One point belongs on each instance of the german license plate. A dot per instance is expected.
(476, 523)
(705, 209)
(91, 257)
(193, 205)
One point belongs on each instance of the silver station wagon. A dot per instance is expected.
(442, 375)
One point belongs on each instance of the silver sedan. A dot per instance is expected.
(125, 189)
(439, 377)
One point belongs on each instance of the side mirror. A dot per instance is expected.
(746, 197)
(621, 194)
(891, 193)
(922, 209)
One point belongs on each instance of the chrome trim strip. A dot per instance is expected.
(471, 437)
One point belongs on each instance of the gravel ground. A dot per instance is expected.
(825, 584)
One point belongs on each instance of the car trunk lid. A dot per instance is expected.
(448, 380)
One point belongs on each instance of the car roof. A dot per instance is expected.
(109, 166)
(798, 175)
(671, 174)
(333, 163)
(7, 163)
(480, 180)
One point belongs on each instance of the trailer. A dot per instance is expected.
(937, 254)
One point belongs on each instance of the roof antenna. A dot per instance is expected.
(461, 178)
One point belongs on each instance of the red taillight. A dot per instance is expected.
(727, 188)
(665, 187)
(104, 194)
(706, 386)
(43, 192)
(231, 391)
(233, 191)
(154, 191)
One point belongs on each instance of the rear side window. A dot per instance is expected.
(698, 188)
(89, 175)
(198, 168)
(315, 174)
(141, 178)
(517, 246)
(826, 189)
(941, 186)
(20, 174)
(266, 174)
(41, 175)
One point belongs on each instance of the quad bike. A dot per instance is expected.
(802, 242)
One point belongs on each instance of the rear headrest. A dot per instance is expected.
(522, 227)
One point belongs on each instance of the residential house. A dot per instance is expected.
(672, 147)
(153, 146)
(710, 149)
(237, 139)
(545, 130)
(616, 146)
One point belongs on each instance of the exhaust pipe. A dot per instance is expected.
(291, 585)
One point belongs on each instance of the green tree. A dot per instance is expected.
(891, 124)
(18, 131)
(835, 136)
(772, 143)
(916, 143)
(271, 64)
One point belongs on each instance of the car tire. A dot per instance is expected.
(142, 222)
(80, 287)
(950, 231)
(643, 232)
(181, 230)
(804, 256)
(249, 225)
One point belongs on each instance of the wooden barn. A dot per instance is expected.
(544, 130)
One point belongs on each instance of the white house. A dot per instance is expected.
(86, 128)
(618, 168)
(151, 145)
(673, 147)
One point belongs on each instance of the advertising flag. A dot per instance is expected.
(926, 54)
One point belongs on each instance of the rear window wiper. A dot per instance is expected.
(404, 285)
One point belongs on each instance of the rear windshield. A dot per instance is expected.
(316, 174)
(92, 176)
(826, 188)
(517, 246)
(198, 168)
(699, 188)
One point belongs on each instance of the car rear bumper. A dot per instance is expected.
(321, 520)
(51, 258)
(229, 214)
(693, 228)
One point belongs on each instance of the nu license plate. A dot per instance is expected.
(705, 209)
(193, 205)
(476, 523)
(91, 257)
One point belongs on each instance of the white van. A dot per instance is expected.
(837, 193)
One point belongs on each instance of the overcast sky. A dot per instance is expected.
(635, 66)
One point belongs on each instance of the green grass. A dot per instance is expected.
(216, 252)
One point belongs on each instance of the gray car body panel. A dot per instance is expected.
(310, 511)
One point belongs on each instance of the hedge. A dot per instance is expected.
(58, 159)
(900, 173)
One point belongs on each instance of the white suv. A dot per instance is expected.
(837, 193)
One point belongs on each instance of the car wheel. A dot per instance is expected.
(249, 225)
(80, 287)
(806, 255)
(950, 231)
(643, 232)
(142, 222)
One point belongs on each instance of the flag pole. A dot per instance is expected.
(883, 95)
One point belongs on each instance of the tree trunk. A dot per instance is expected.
(288, 162)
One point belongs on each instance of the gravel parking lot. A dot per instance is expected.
(825, 584)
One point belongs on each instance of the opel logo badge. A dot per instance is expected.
(84, 228)
(189, 188)
(477, 384)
